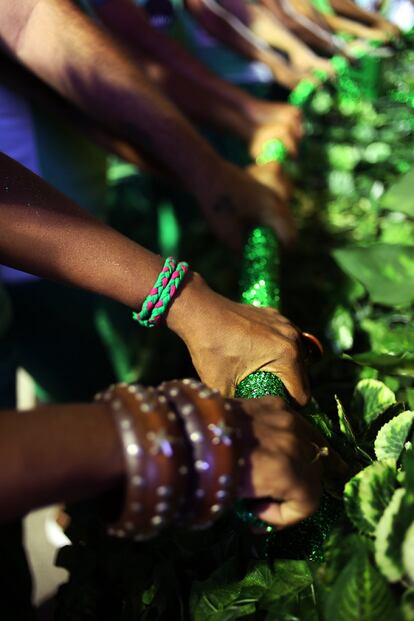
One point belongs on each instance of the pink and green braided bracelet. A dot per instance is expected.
(157, 301)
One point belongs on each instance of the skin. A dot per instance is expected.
(350, 9)
(59, 453)
(44, 233)
(266, 26)
(130, 24)
(233, 32)
(121, 99)
(299, 17)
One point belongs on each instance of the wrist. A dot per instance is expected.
(187, 305)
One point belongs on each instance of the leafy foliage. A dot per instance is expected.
(391, 438)
(371, 399)
(368, 494)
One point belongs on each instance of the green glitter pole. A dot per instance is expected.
(260, 287)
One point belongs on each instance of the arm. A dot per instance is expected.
(46, 234)
(115, 92)
(231, 31)
(68, 453)
(56, 453)
(86, 66)
(130, 24)
(305, 22)
(352, 10)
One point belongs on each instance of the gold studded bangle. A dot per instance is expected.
(213, 436)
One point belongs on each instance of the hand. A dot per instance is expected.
(274, 177)
(279, 131)
(235, 198)
(281, 461)
(262, 113)
(228, 341)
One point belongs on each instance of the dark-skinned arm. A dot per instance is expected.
(57, 453)
(44, 233)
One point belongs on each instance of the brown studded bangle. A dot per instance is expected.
(156, 460)
(210, 429)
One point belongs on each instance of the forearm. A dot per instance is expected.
(85, 65)
(268, 27)
(44, 233)
(129, 23)
(191, 98)
(351, 9)
(56, 453)
(308, 29)
(228, 29)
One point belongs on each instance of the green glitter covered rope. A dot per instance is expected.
(260, 287)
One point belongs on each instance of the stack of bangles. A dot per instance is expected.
(182, 448)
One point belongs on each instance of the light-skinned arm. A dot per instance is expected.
(86, 65)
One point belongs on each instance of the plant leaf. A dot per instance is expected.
(258, 579)
(289, 577)
(368, 494)
(214, 595)
(344, 424)
(408, 552)
(395, 364)
(341, 329)
(391, 438)
(407, 605)
(386, 271)
(360, 593)
(387, 335)
(391, 529)
(399, 197)
(371, 398)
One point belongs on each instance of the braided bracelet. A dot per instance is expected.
(155, 457)
(211, 430)
(166, 286)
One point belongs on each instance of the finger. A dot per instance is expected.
(290, 488)
(282, 222)
(290, 368)
(290, 512)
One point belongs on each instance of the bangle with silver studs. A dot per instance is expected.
(211, 432)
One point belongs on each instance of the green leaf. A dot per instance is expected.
(391, 438)
(360, 594)
(400, 197)
(408, 468)
(368, 493)
(391, 530)
(389, 336)
(398, 364)
(386, 271)
(409, 397)
(258, 579)
(289, 577)
(408, 552)
(216, 594)
(407, 605)
(344, 424)
(341, 329)
(371, 398)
